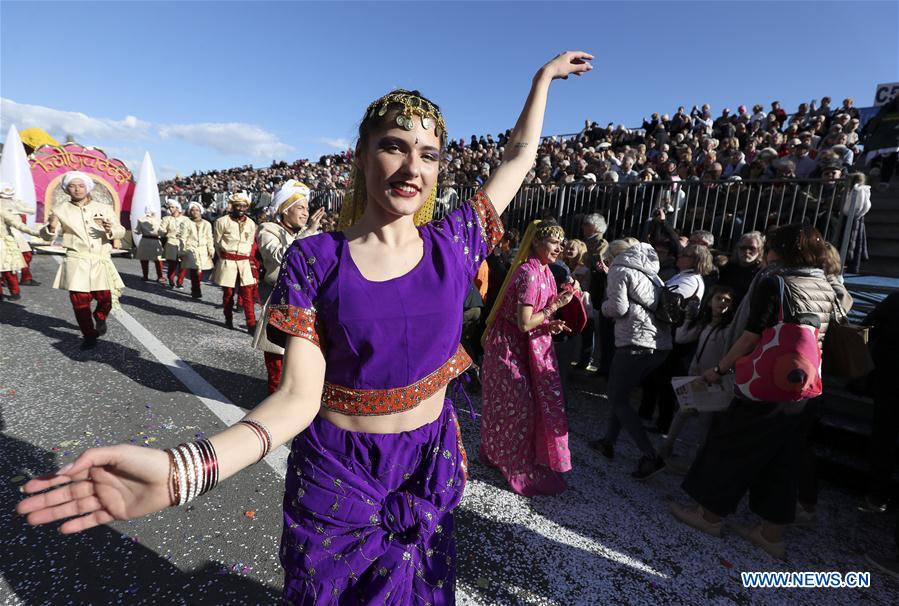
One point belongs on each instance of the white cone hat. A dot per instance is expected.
(15, 170)
(146, 195)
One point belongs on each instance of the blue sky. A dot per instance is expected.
(205, 85)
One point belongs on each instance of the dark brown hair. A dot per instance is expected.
(799, 245)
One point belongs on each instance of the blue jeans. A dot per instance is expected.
(630, 367)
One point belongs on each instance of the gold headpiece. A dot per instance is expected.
(412, 105)
(549, 231)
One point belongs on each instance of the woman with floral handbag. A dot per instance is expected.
(753, 446)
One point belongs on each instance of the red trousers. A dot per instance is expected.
(176, 271)
(145, 268)
(81, 303)
(195, 276)
(245, 296)
(273, 366)
(26, 271)
(12, 282)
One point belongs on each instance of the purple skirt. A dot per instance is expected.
(368, 517)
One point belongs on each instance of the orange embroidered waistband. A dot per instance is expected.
(365, 402)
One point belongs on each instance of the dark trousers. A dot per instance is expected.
(196, 275)
(754, 447)
(807, 480)
(145, 269)
(885, 430)
(603, 344)
(657, 389)
(629, 369)
(81, 304)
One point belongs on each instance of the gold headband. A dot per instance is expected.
(412, 105)
(550, 231)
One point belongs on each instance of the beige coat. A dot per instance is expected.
(234, 237)
(196, 239)
(88, 265)
(170, 228)
(150, 247)
(10, 227)
(273, 241)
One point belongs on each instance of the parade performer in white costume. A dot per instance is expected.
(12, 258)
(234, 237)
(88, 229)
(198, 247)
(170, 228)
(290, 210)
(150, 246)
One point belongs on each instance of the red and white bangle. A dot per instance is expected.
(262, 432)
(193, 470)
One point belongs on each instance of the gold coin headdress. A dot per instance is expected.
(411, 107)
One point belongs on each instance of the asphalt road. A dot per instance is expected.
(607, 540)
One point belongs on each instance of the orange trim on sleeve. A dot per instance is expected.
(295, 321)
(488, 219)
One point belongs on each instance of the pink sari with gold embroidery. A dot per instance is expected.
(524, 428)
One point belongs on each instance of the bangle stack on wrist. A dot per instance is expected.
(194, 470)
(262, 432)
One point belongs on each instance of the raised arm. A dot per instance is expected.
(521, 149)
(125, 482)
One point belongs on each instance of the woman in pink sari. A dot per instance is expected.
(524, 430)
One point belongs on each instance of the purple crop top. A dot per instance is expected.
(387, 345)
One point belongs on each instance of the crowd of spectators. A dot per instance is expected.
(686, 145)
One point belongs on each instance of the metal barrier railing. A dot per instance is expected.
(727, 209)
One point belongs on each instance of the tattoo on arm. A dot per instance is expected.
(521, 145)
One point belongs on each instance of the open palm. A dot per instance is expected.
(103, 484)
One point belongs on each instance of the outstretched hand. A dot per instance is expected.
(103, 484)
(568, 63)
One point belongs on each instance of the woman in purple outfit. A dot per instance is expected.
(370, 318)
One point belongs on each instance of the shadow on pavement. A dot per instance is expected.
(243, 390)
(211, 294)
(165, 310)
(101, 565)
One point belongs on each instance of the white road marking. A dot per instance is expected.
(211, 397)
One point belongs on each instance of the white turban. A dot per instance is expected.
(197, 204)
(7, 190)
(175, 203)
(290, 193)
(76, 174)
(239, 197)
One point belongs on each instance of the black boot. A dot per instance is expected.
(101, 327)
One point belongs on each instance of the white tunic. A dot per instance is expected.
(88, 264)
